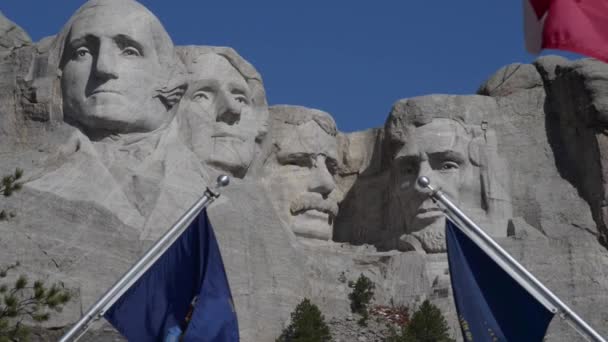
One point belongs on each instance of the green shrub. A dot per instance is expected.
(426, 325)
(22, 300)
(362, 295)
(307, 325)
(10, 184)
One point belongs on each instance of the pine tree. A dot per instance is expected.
(10, 183)
(22, 301)
(307, 325)
(426, 325)
(363, 292)
(8, 186)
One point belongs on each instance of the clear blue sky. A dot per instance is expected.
(352, 59)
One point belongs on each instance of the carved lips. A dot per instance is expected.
(110, 91)
(429, 213)
(227, 133)
(228, 137)
(308, 202)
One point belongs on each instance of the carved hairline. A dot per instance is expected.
(160, 36)
(189, 53)
(297, 115)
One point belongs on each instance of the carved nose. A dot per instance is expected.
(424, 170)
(228, 110)
(321, 180)
(105, 64)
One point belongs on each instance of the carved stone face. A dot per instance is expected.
(302, 184)
(111, 70)
(439, 151)
(223, 124)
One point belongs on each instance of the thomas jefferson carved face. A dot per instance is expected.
(302, 181)
(438, 150)
(111, 68)
(218, 103)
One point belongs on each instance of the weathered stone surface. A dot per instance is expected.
(106, 175)
(577, 104)
(511, 78)
(11, 35)
(264, 268)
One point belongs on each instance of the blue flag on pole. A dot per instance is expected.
(185, 294)
(491, 305)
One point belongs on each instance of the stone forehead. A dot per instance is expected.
(308, 138)
(418, 111)
(122, 8)
(190, 55)
(407, 114)
(437, 136)
(283, 116)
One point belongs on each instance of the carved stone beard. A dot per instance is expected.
(432, 237)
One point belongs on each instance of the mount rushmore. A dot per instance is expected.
(119, 132)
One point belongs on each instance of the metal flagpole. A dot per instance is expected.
(511, 266)
(144, 263)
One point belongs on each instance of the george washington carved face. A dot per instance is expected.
(113, 64)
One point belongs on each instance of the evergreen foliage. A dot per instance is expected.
(22, 300)
(10, 183)
(307, 325)
(363, 293)
(8, 186)
(426, 325)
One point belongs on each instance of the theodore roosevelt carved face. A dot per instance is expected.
(116, 57)
(302, 174)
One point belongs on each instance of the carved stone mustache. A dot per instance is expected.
(310, 201)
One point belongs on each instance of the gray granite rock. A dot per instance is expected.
(511, 78)
(11, 35)
(100, 188)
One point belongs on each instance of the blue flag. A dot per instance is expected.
(491, 305)
(184, 296)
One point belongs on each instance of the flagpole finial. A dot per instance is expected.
(423, 182)
(222, 181)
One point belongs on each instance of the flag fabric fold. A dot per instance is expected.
(579, 26)
(185, 290)
(491, 305)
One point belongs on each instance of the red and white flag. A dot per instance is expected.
(579, 26)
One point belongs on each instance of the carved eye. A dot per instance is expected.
(81, 52)
(409, 168)
(200, 96)
(332, 166)
(449, 165)
(301, 160)
(131, 51)
(241, 99)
